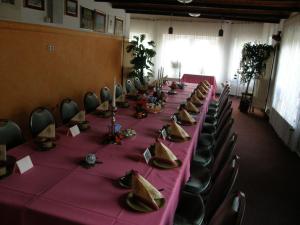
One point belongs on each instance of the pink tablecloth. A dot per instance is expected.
(193, 78)
(58, 191)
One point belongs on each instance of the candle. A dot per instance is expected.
(114, 94)
(2, 158)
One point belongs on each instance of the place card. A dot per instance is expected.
(74, 131)
(174, 118)
(147, 155)
(24, 164)
(163, 133)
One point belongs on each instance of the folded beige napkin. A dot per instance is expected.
(121, 98)
(104, 106)
(186, 117)
(203, 90)
(191, 107)
(79, 117)
(2, 158)
(177, 131)
(48, 132)
(200, 95)
(163, 153)
(195, 100)
(207, 83)
(144, 191)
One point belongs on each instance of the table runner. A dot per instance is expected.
(58, 191)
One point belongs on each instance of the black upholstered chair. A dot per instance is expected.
(91, 102)
(119, 90)
(39, 119)
(208, 147)
(68, 109)
(212, 132)
(190, 210)
(105, 94)
(223, 185)
(216, 103)
(232, 210)
(138, 85)
(10, 134)
(202, 178)
(130, 88)
(215, 118)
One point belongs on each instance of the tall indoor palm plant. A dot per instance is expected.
(142, 56)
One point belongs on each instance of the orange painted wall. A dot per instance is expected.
(31, 76)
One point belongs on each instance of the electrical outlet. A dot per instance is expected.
(51, 48)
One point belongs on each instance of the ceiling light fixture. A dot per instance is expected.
(170, 30)
(221, 31)
(194, 14)
(185, 1)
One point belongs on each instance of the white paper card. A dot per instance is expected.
(174, 117)
(147, 155)
(24, 164)
(164, 133)
(74, 131)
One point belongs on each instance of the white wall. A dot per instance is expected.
(11, 12)
(23, 14)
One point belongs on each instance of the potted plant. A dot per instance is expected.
(252, 66)
(142, 57)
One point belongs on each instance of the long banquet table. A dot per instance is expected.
(194, 78)
(57, 190)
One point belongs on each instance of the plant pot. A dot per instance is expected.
(245, 102)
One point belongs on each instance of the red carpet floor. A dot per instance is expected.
(269, 172)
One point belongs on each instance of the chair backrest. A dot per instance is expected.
(225, 154)
(105, 94)
(130, 87)
(119, 90)
(39, 119)
(10, 134)
(226, 116)
(91, 102)
(222, 187)
(232, 210)
(68, 109)
(137, 83)
(223, 94)
(184, 211)
(227, 104)
(222, 137)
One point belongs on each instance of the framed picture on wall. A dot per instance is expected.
(71, 8)
(110, 24)
(118, 27)
(99, 21)
(86, 18)
(9, 2)
(35, 4)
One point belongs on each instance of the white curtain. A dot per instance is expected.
(198, 48)
(196, 54)
(286, 99)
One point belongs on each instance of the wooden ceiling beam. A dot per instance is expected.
(288, 5)
(252, 18)
(172, 9)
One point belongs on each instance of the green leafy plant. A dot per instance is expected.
(253, 62)
(142, 56)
